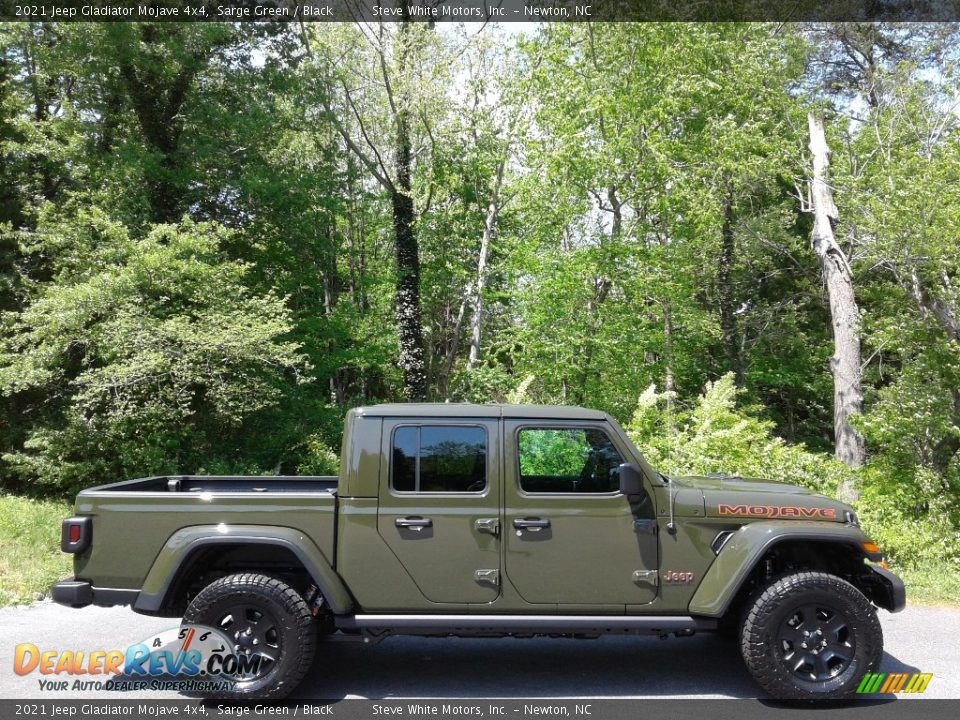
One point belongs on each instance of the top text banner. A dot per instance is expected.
(432, 11)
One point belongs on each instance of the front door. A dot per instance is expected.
(571, 537)
(439, 510)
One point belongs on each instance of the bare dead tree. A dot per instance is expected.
(845, 365)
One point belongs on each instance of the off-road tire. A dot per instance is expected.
(294, 630)
(777, 663)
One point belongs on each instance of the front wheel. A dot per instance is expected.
(810, 636)
(267, 622)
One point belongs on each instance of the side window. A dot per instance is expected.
(439, 458)
(568, 460)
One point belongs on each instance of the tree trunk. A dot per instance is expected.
(945, 313)
(844, 315)
(489, 225)
(408, 278)
(601, 288)
(331, 293)
(407, 301)
(728, 325)
(454, 347)
(408, 311)
(948, 446)
(669, 385)
(158, 104)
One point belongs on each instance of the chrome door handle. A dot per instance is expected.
(531, 525)
(412, 523)
(488, 525)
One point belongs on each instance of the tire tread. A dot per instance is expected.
(755, 648)
(264, 586)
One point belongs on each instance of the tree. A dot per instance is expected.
(399, 55)
(872, 74)
(159, 65)
(909, 144)
(656, 149)
(844, 314)
(152, 354)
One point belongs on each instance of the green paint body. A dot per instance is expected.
(601, 554)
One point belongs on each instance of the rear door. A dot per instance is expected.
(571, 537)
(439, 511)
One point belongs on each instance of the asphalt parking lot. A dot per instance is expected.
(920, 639)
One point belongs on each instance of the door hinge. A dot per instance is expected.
(651, 577)
(491, 577)
(488, 525)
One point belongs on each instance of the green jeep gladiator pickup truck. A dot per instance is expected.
(490, 520)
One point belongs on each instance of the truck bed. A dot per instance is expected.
(224, 483)
(132, 521)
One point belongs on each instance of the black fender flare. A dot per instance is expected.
(184, 543)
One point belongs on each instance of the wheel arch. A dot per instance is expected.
(730, 579)
(188, 551)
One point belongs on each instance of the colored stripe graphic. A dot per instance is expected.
(891, 680)
(865, 684)
(894, 683)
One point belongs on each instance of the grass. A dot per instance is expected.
(937, 584)
(30, 557)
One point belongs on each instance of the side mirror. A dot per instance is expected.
(631, 482)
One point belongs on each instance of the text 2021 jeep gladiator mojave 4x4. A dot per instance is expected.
(490, 520)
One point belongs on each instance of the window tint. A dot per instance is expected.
(439, 458)
(405, 459)
(568, 460)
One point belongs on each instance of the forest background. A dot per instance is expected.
(741, 240)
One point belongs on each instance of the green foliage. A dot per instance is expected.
(936, 583)
(149, 348)
(717, 436)
(30, 556)
(320, 458)
(912, 529)
(552, 452)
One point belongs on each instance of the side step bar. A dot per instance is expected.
(525, 624)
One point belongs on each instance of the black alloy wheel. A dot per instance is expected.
(810, 636)
(816, 642)
(271, 628)
(253, 629)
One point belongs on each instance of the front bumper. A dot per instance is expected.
(79, 593)
(885, 589)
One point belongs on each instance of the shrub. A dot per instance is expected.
(150, 354)
(717, 436)
(320, 458)
(906, 508)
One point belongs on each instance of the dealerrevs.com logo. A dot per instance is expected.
(189, 658)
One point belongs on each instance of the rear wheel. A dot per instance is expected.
(811, 636)
(264, 618)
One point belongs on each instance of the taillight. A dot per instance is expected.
(75, 534)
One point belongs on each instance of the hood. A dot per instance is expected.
(718, 481)
(736, 497)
